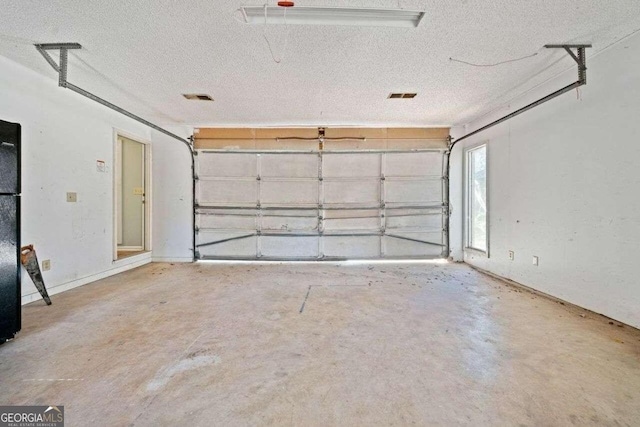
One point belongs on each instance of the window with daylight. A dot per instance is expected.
(477, 198)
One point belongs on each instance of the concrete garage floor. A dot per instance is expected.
(400, 344)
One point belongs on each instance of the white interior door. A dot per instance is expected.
(130, 179)
(118, 186)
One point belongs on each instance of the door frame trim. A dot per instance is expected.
(147, 190)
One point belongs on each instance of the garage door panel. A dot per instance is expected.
(401, 218)
(351, 165)
(227, 165)
(432, 236)
(351, 247)
(367, 219)
(227, 219)
(413, 164)
(351, 192)
(290, 192)
(289, 246)
(289, 165)
(352, 224)
(288, 220)
(413, 192)
(395, 247)
(227, 192)
(242, 248)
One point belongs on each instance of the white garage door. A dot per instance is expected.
(320, 205)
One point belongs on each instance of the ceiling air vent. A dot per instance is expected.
(401, 95)
(197, 97)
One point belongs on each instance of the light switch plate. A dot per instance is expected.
(535, 260)
(72, 197)
(46, 265)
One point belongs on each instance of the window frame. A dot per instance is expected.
(468, 194)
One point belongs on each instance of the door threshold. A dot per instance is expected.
(129, 254)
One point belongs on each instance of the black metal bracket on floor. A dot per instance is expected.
(61, 69)
(579, 57)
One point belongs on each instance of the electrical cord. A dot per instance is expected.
(495, 64)
(264, 32)
(235, 12)
(286, 39)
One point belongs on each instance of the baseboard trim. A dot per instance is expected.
(121, 267)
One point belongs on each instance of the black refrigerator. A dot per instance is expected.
(9, 230)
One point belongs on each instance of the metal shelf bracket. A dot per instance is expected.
(579, 56)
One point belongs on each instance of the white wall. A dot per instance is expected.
(63, 134)
(172, 204)
(564, 185)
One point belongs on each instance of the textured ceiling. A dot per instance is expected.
(144, 54)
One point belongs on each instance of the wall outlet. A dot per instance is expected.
(535, 260)
(72, 197)
(46, 265)
(511, 255)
